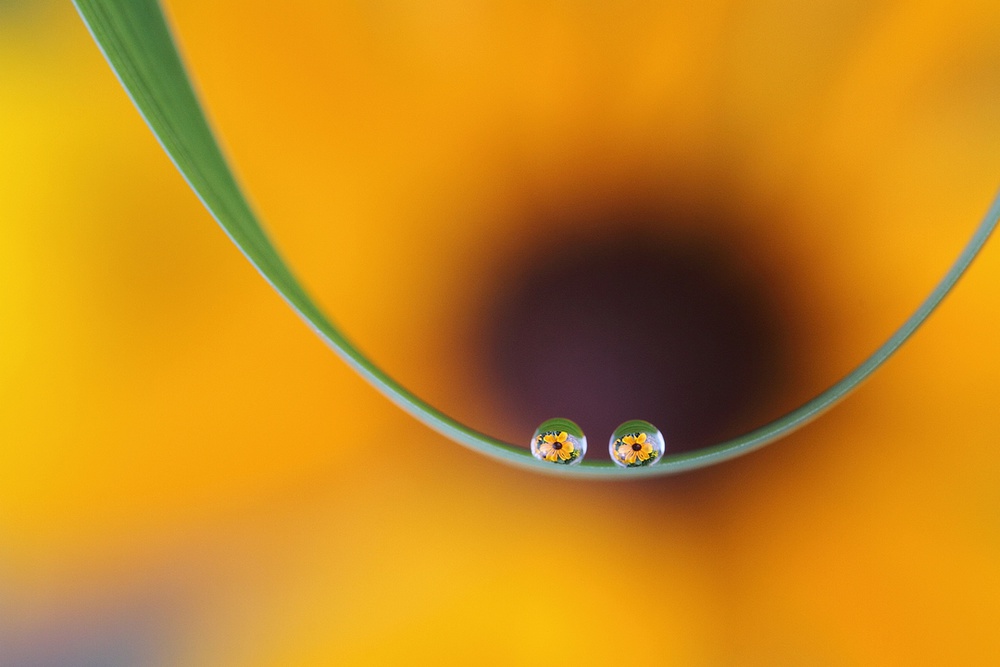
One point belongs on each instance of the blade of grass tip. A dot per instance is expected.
(137, 42)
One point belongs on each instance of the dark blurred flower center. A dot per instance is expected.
(690, 342)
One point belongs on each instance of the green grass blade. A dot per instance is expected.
(135, 39)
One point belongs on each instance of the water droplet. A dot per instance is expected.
(559, 441)
(636, 443)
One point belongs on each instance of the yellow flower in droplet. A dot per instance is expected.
(556, 446)
(635, 448)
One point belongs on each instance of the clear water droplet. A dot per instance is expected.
(636, 443)
(559, 441)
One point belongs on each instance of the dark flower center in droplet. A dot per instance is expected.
(556, 445)
(636, 447)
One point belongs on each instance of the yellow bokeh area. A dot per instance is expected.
(188, 476)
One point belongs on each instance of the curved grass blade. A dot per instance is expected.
(135, 39)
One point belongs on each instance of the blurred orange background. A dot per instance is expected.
(189, 477)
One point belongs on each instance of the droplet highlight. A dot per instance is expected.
(559, 441)
(636, 444)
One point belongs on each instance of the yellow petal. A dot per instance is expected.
(561, 437)
(628, 440)
(642, 454)
(565, 453)
(641, 439)
(549, 438)
(551, 456)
